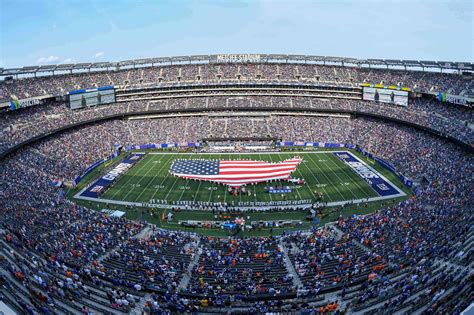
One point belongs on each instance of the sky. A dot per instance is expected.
(36, 32)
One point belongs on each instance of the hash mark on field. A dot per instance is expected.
(163, 180)
(151, 181)
(139, 181)
(197, 191)
(171, 188)
(324, 174)
(138, 167)
(279, 156)
(183, 188)
(311, 172)
(352, 180)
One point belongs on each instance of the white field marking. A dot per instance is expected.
(130, 178)
(184, 188)
(195, 194)
(309, 188)
(400, 192)
(137, 167)
(317, 180)
(153, 179)
(279, 156)
(163, 180)
(246, 153)
(139, 181)
(139, 204)
(330, 179)
(348, 186)
(171, 188)
(260, 158)
(330, 204)
(318, 183)
(350, 179)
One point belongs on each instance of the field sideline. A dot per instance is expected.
(149, 180)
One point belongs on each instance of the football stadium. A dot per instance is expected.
(237, 183)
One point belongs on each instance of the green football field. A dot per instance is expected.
(149, 180)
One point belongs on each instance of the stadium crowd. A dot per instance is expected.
(21, 125)
(101, 138)
(56, 256)
(60, 84)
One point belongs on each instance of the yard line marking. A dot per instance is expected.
(353, 180)
(319, 183)
(197, 190)
(163, 180)
(330, 181)
(309, 188)
(246, 153)
(139, 181)
(297, 191)
(260, 158)
(349, 187)
(184, 189)
(169, 191)
(327, 174)
(152, 180)
(130, 177)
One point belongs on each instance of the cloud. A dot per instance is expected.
(98, 54)
(47, 60)
(68, 60)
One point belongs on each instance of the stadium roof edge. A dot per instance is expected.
(240, 58)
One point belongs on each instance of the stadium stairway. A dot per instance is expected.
(183, 284)
(337, 233)
(146, 232)
(139, 307)
(340, 233)
(143, 234)
(289, 267)
(376, 306)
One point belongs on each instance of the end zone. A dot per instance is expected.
(100, 185)
(379, 183)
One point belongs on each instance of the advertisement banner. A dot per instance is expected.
(87, 171)
(454, 99)
(16, 104)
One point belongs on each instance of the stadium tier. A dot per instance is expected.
(172, 188)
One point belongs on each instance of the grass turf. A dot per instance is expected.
(323, 172)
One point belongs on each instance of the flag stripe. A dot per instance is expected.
(258, 166)
(262, 170)
(235, 176)
(234, 173)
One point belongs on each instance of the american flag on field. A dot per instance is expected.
(234, 173)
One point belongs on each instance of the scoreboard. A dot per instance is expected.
(91, 97)
(384, 95)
